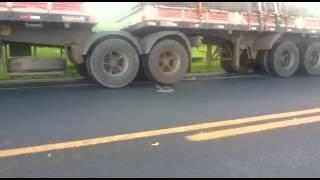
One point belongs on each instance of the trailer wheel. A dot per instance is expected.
(226, 58)
(83, 71)
(284, 59)
(262, 62)
(310, 59)
(114, 63)
(245, 64)
(255, 67)
(141, 75)
(167, 62)
(227, 66)
(227, 63)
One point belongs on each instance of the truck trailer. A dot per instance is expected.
(274, 38)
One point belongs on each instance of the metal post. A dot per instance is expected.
(261, 14)
(2, 63)
(61, 53)
(209, 53)
(236, 52)
(6, 55)
(35, 51)
(3, 57)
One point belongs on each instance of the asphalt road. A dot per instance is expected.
(49, 114)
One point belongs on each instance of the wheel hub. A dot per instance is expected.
(315, 59)
(115, 64)
(286, 60)
(169, 62)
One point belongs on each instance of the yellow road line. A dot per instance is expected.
(251, 129)
(146, 134)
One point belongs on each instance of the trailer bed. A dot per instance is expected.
(45, 12)
(146, 16)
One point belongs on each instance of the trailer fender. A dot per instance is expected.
(150, 40)
(99, 37)
(266, 41)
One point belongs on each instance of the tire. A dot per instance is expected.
(36, 64)
(310, 59)
(114, 63)
(256, 68)
(227, 65)
(83, 71)
(262, 62)
(226, 59)
(167, 62)
(284, 59)
(141, 76)
(245, 66)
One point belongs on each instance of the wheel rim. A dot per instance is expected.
(115, 64)
(287, 60)
(315, 59)
(169, 62)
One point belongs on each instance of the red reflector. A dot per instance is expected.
(25, 17)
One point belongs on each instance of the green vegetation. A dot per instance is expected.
(199, 63)
(205, 68)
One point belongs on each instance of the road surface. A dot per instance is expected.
(224, 126)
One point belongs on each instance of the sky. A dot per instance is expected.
(106, 13)
(109, 10)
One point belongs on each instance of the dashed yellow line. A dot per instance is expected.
(146, 134)
(252, 129)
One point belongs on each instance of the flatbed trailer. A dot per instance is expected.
(276, 38)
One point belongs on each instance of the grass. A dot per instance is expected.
(200, 65)
(205, 68)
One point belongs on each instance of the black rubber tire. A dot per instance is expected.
(151, 62)
(274, 59)
(227, 65)
(96, 69)
(227, 53)
(36, 64)
(245, 66)
(141, 76)
(262, 62)
(83, 71)
(255, 67)
(306, 55)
